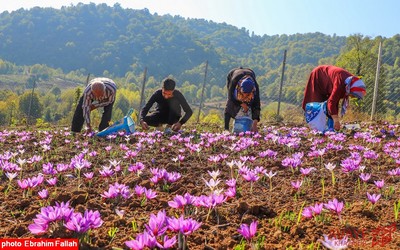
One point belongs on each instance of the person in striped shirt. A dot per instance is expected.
(100, 92)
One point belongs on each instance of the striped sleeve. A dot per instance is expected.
(111, 91)
(87, 101)
(88, 97)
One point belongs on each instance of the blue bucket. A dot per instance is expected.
(125, 124)
(242, 124)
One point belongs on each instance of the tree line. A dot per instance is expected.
(56, 49)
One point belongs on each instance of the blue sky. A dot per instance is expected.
(341, 17)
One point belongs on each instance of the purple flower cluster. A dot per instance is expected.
(155, 233)
(334, 206)
(137, 168)
(64, 213)
(31, 182)
(294, 161)
(117, 190)
(312, 211)
(351, 163)
(162, 174)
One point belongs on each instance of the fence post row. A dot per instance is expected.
(378, 66)
(202, 92)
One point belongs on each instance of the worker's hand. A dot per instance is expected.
(144, 125)
(336, 122)
(245, 107)
(254, 127)
(336, 125)
(176, 127)
(89, 129)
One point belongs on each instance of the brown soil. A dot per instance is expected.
(277, 210)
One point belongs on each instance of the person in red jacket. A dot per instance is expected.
(330, 83)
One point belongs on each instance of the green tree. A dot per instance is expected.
(359, 58)
(30, 106)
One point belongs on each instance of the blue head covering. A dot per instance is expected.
(247, 85)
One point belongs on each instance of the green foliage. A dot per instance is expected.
(30, 106)
(213, 117)
(119, 43)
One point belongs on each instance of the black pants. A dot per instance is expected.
(157, 118)
(227, 119)
(78, 120)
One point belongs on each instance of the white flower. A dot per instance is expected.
(11, 176)
(330, 166)
(214, 174)
(114, 162)
(335, 244)
(212, 183)
(270, 174)
(21, 161)
(230, 163)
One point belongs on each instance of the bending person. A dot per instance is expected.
(331, 84)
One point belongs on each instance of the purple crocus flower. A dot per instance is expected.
(139, 190)
(150, 194)
(38, 229)
(173, 177)
(52, 181)
(365, 177)
(317, 208)
(89, 175)
(296, 184)
(307, 212)
(379, 184)
(230, 192)
(350, 164)
(188, 226)
(178, 202)
(248, 232)
(167, 242)
(43, 194)
(157, 224)
(93, 218)
(231, 182)
(335, 206)
(111, 193)
(311, 211)
(138, 167)
(306, 171)
(373, 198)
(77, 223)
(251, 176)
(137, 244)
(106, 171)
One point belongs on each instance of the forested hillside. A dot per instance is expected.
(54, 50)
(98, 38)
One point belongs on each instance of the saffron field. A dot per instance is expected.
(282, 188)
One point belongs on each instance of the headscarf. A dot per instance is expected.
(355, 87)
(245, 85)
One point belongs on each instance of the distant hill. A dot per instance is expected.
(98, 38)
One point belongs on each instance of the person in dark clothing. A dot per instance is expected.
(330, 83)
(243, 96)
(100, 92)
(168, 110)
